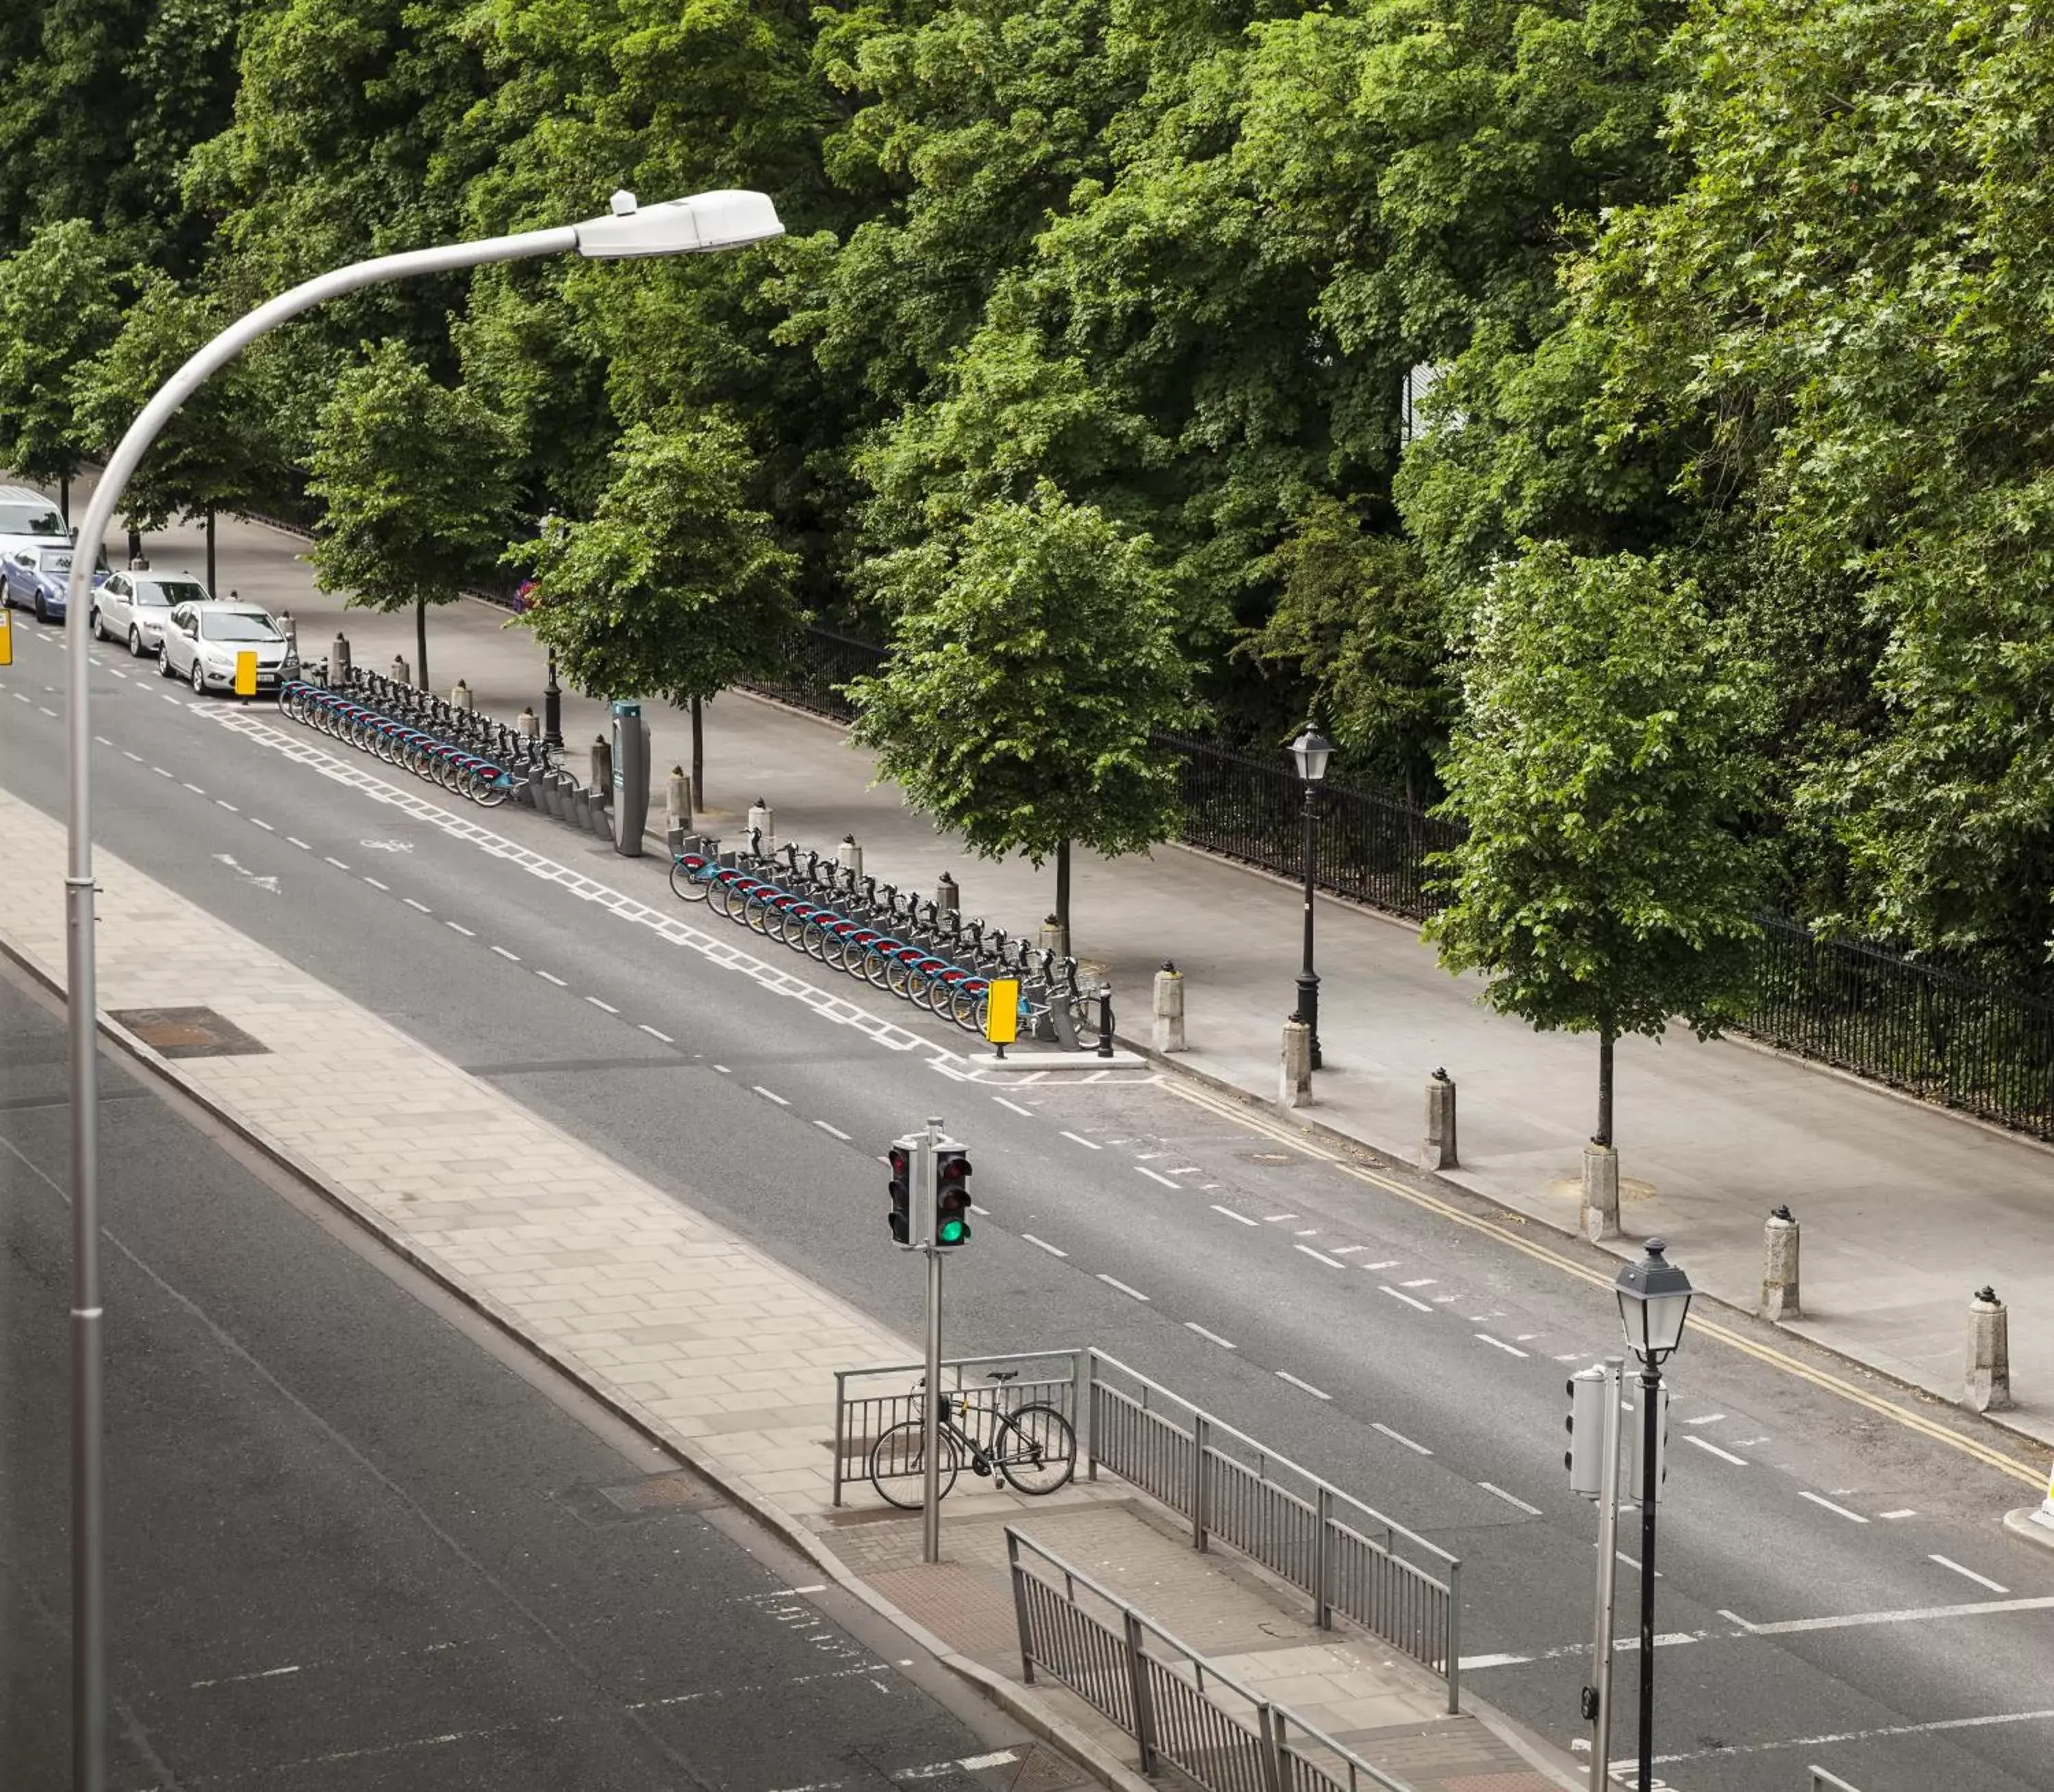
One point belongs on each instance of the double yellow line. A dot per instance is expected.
(1227, 1109)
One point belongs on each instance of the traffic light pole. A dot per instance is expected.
(926, 1204)
(1597, 1696)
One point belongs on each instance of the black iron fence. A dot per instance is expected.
(1944, 1035)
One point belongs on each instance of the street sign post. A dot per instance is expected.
(925, 1203)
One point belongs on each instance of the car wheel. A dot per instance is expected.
(98, 623)
(42, 610)
(199, 678)
(135, 642)
(164, 664)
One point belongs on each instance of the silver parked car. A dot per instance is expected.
(202, 641)
(132, 606)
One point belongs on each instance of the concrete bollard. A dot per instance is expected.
(948, 894)
(526, 726)
(338, 660)
(1055, 937)
(401, 676)
(1990, 1353)
(1599, 1218)
(1437, 1144)
(677, 799)
(1779, 1266)
(1169, 1009)
(461, 699)
(1295, 1084)
(602, 767)
(763, 824)
(848, 856)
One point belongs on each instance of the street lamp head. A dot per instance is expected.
(692, 226)
(1312, 750)
(1653, 1300)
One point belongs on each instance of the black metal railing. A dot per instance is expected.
(1944, 1035)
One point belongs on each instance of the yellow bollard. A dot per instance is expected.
(1002, 1012)
(7, 638)
(245, 673)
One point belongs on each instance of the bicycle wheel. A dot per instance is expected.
(1036, 1450)
(899, 1462)
(686, 885)
(489, 788)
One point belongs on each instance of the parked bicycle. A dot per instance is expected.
(1032, 1448)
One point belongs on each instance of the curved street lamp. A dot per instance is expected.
(1654, 1302)
(1311, 750)
(704, 222)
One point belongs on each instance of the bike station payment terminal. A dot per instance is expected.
(630, 778)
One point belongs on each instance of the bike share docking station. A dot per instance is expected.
(630, 778)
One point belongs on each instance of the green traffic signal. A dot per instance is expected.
(952, 1196)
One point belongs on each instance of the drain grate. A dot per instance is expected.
(676, 1491)
(189, 1032)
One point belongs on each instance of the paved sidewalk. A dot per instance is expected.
(703, 1340)
(1907, 1210)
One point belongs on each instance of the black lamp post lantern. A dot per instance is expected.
(1654, 1302)
(1311, 750)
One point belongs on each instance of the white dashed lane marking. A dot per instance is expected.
(608, 1007)
(1510, 1499)
(337, 863)
(667, 1040)
(1285, 1375)
(1821, 1499)
(375, 885)
(1229, 1212)
(1209, 1336)
(1042, 1244)
(1025, 1112)
(1089, 1145)
(549, 976)
(257, 822)
(411, 904)
(511, 957)
(458, 927)
(1399, 1437)
(1320, 1256)
(1969, 1574)
(1407, 1298)
(1712, 1449)
(1113, 1282)
(1155, 1176)
(768, 1095)
(1513, 1350)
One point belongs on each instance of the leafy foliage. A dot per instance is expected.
(1028, 673)
(57, 307)
(676, 587)
(1605, 766)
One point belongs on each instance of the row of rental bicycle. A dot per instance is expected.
(461, 750)
(914, 947)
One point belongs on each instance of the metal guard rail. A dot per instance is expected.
(1169, 1707)
(1322, 1540)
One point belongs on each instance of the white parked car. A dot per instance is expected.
(133, 606)
(203, 640)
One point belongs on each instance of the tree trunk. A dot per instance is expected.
(64, 498)
(134, 543)
(698, 756)
(421, 641)
(1063, 888)
(212, 589)
(1602, 1135)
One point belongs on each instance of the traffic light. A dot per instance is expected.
(1584, 1458)
(951, 1195)
(901, 1218)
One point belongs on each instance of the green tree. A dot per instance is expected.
(57, 306)
(1029, 676)
(677, 586)
(413, 476)
(214, 452)
(1605, 766)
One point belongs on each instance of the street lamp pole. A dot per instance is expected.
(1654, 1302)
(1311, 751)
(707, 221)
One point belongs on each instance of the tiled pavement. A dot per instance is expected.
(705, 1342)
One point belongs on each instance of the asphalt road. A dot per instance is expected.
(358, 1542)
(1833, 1585)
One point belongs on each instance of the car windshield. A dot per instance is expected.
(162, 594)
(31, 519)
(236, 625)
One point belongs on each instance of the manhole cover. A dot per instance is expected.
(189, 1032)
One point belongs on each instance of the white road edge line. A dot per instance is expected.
(1113, 1282)
(1210, 1336)
(1285, 1375)
(1969, 1574)
(1510, 1499)
(1821, 1499)
(1712, 1449)
(1229, 1212)
(1042, 1244)
(1399, 1437)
